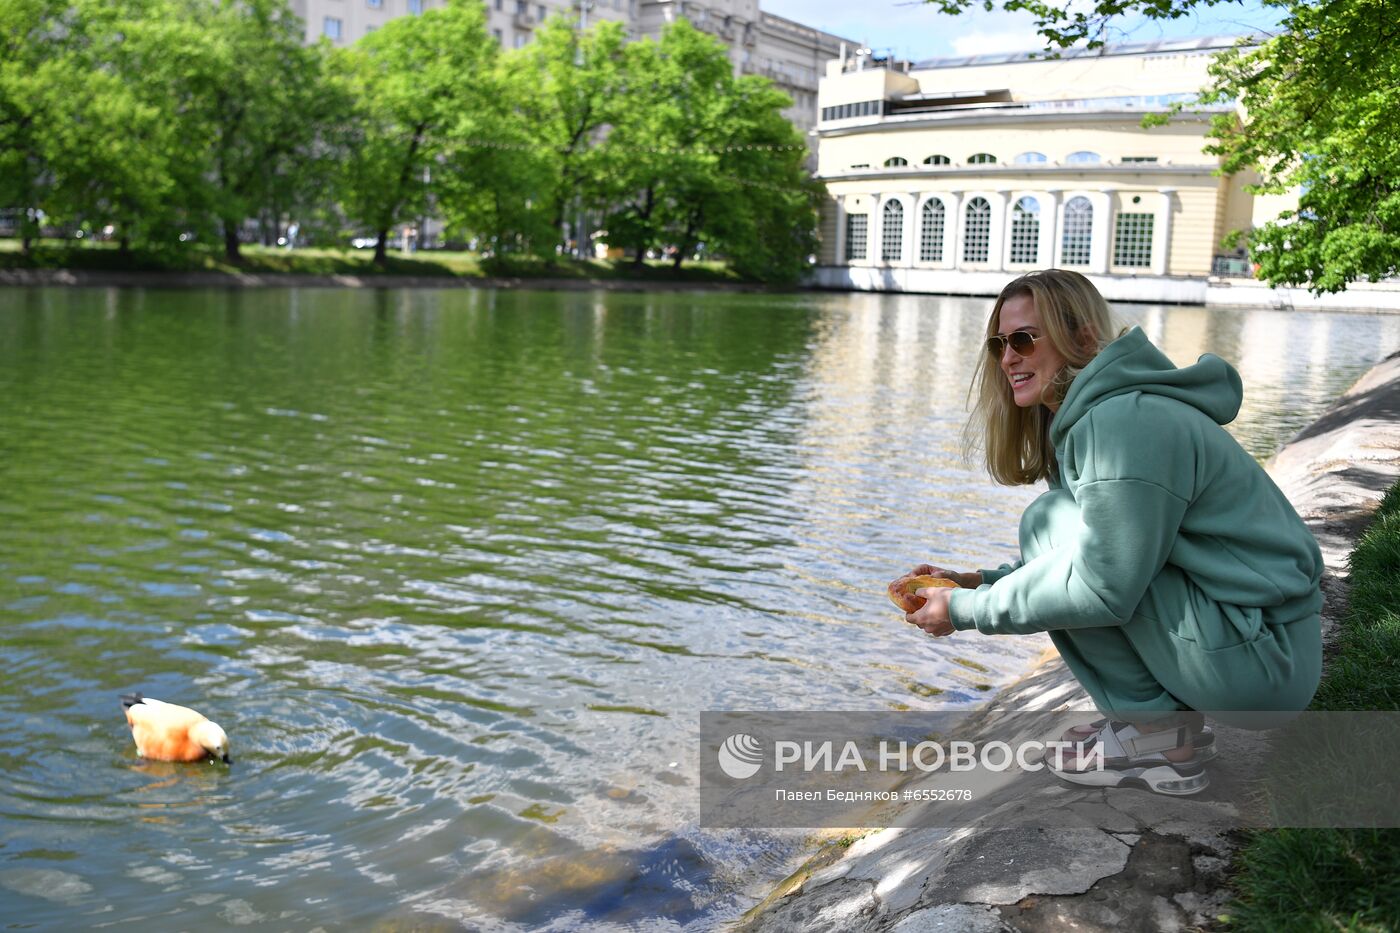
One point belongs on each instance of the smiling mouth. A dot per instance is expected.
(1021, 379)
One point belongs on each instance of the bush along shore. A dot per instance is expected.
(67, 263)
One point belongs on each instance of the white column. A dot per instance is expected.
(911, 229)
(839, 239)
(1050, 221)
(952, 211)
(1099, 244)
(996, 244)
(1162, 233)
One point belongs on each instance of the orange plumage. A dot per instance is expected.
(166, 732)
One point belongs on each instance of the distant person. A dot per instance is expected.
(1171, 573)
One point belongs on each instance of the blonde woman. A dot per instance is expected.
(1171, 573)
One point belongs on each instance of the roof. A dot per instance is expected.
(1155, 47)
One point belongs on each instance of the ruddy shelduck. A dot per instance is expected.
(166, 732)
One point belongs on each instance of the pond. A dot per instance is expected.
(458, 569)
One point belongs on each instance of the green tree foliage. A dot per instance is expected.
(419, 82)
(570, 86)
(1317, 113)
(703, 157)
(1320, 103)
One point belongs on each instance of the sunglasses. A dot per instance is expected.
(1021, 341)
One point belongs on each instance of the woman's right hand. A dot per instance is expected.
(970, 580)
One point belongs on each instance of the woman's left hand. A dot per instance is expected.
(932, 617)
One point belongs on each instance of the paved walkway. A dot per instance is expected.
(1156, 863)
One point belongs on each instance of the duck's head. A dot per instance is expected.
(213, 740)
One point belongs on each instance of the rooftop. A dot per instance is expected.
(1155, 47)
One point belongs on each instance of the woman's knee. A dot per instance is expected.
(1051, 521)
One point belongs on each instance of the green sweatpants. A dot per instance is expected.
(1181, 650)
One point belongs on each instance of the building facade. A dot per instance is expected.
(794, 56)
(953, 174)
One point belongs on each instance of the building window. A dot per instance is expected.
(977, 230)
(541, 12)
(892, 232)
(896, 162)
(520, 40)
(1083, 158)
(1132, 240)
(1079, 232)
(1025, 231)
(1029, 158)
(500, 5)
(1127, 159)
(415, 7)
(938, 160)
(931, 231)
(857, 226)
(375, 4)
(981, 158)
(522, 8)
(331, 28)
(496, 33)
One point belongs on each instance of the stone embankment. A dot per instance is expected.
(1155, 863)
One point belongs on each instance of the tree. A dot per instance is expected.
(573, 87)
(1320, 102)
(703, 157)
(414, 80)
(1316, 114)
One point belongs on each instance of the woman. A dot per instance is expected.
(1171, 573)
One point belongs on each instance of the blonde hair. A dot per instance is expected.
(1015, 442)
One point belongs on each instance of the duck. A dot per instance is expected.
(167, 732)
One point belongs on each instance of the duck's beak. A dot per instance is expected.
(227, 759)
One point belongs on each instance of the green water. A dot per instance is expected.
(456, 570)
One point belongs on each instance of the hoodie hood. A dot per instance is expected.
(1132, 364)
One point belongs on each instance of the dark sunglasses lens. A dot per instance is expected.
(1021, 341)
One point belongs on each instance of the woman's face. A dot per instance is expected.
(1029, 375)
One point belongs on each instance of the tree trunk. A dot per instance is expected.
(381, 257)
(26, 243)
(231, 243)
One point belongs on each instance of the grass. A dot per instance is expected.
(260, 260)
(1339, 879)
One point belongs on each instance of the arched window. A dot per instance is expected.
(1083, 157)
(1079, 232)
(892, 232)
(896, 162)
(981, 158)
(1025, 231)
(1029, 158)
(938, 160)
(931, 231)
(977, 230)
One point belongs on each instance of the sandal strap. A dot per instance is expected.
(1124, 740)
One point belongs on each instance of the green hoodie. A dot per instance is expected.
(1158, 481)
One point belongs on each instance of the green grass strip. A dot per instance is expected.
(1339, 879)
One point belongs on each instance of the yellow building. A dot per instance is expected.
(945, 176)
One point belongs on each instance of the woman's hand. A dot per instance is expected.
(933, 616)
(968, 580)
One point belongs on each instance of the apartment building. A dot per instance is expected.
(794, 56)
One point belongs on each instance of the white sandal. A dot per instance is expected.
(1203, 741)
(1120, 754)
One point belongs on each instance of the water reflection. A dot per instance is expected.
(457, 569)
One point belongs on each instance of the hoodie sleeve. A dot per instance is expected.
(992, 576)
(1097, 572)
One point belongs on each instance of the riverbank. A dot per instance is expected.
(1143, 871)
(264, 267)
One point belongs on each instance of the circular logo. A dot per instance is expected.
(740, 756)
